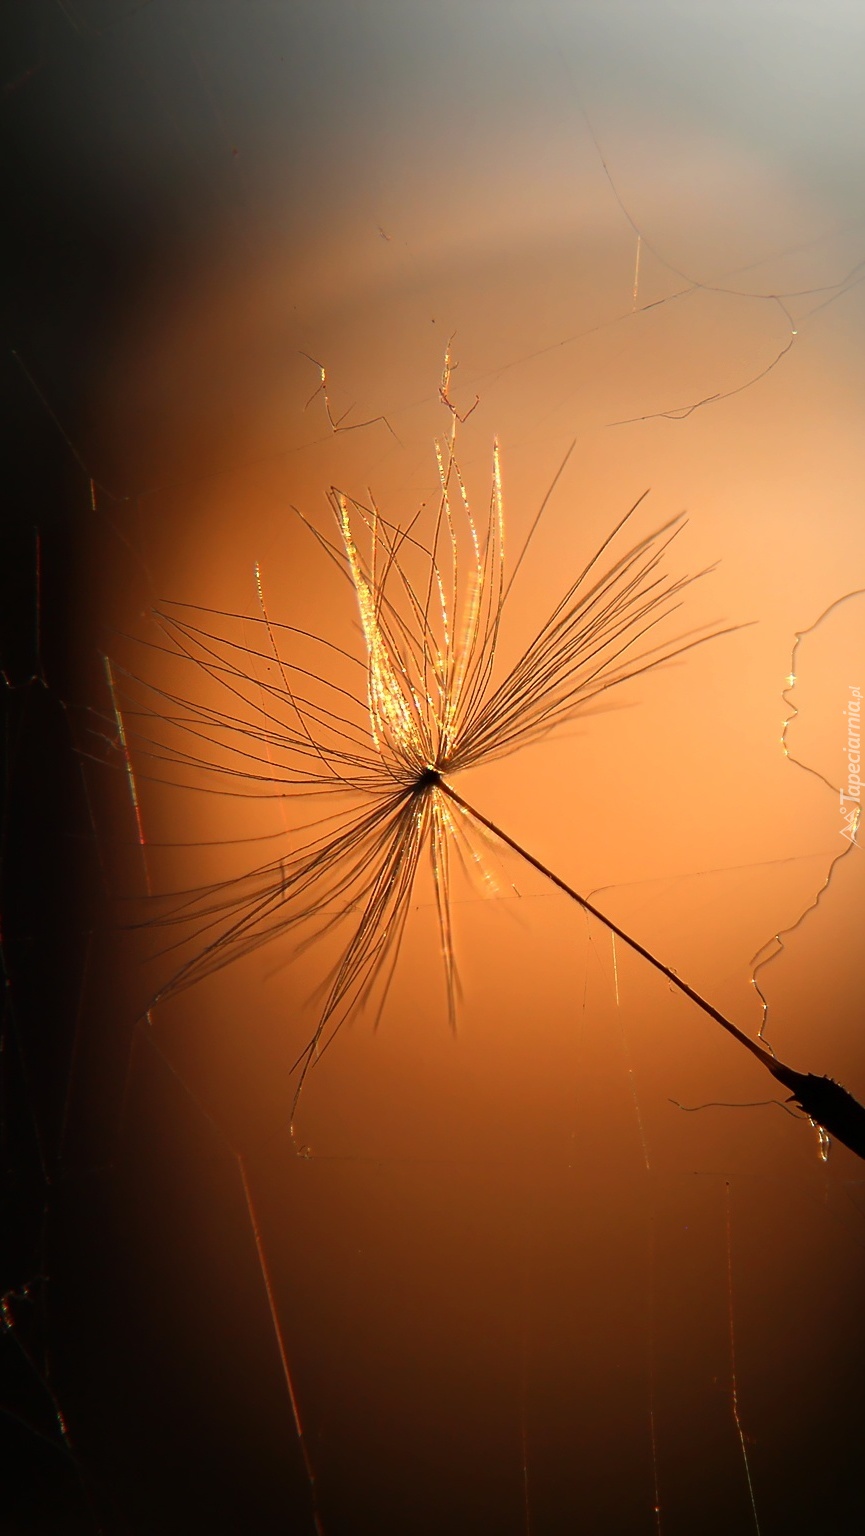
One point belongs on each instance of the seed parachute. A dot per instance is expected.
(380, 737)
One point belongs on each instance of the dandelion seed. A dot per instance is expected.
(384, 736)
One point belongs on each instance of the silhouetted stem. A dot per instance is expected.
(822, 1099)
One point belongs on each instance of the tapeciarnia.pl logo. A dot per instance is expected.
(851, 799)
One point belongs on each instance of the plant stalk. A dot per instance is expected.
(825, 1102)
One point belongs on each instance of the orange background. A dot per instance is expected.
(509, 1258)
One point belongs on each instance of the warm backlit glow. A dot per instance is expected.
(431, 611)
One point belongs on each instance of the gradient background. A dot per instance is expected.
(509, 1263)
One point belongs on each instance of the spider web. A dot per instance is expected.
(501, 1281)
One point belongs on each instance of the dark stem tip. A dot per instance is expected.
(828, 1104)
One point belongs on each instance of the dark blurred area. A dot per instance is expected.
(104, 1425)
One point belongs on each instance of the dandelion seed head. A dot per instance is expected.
(436, 700)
